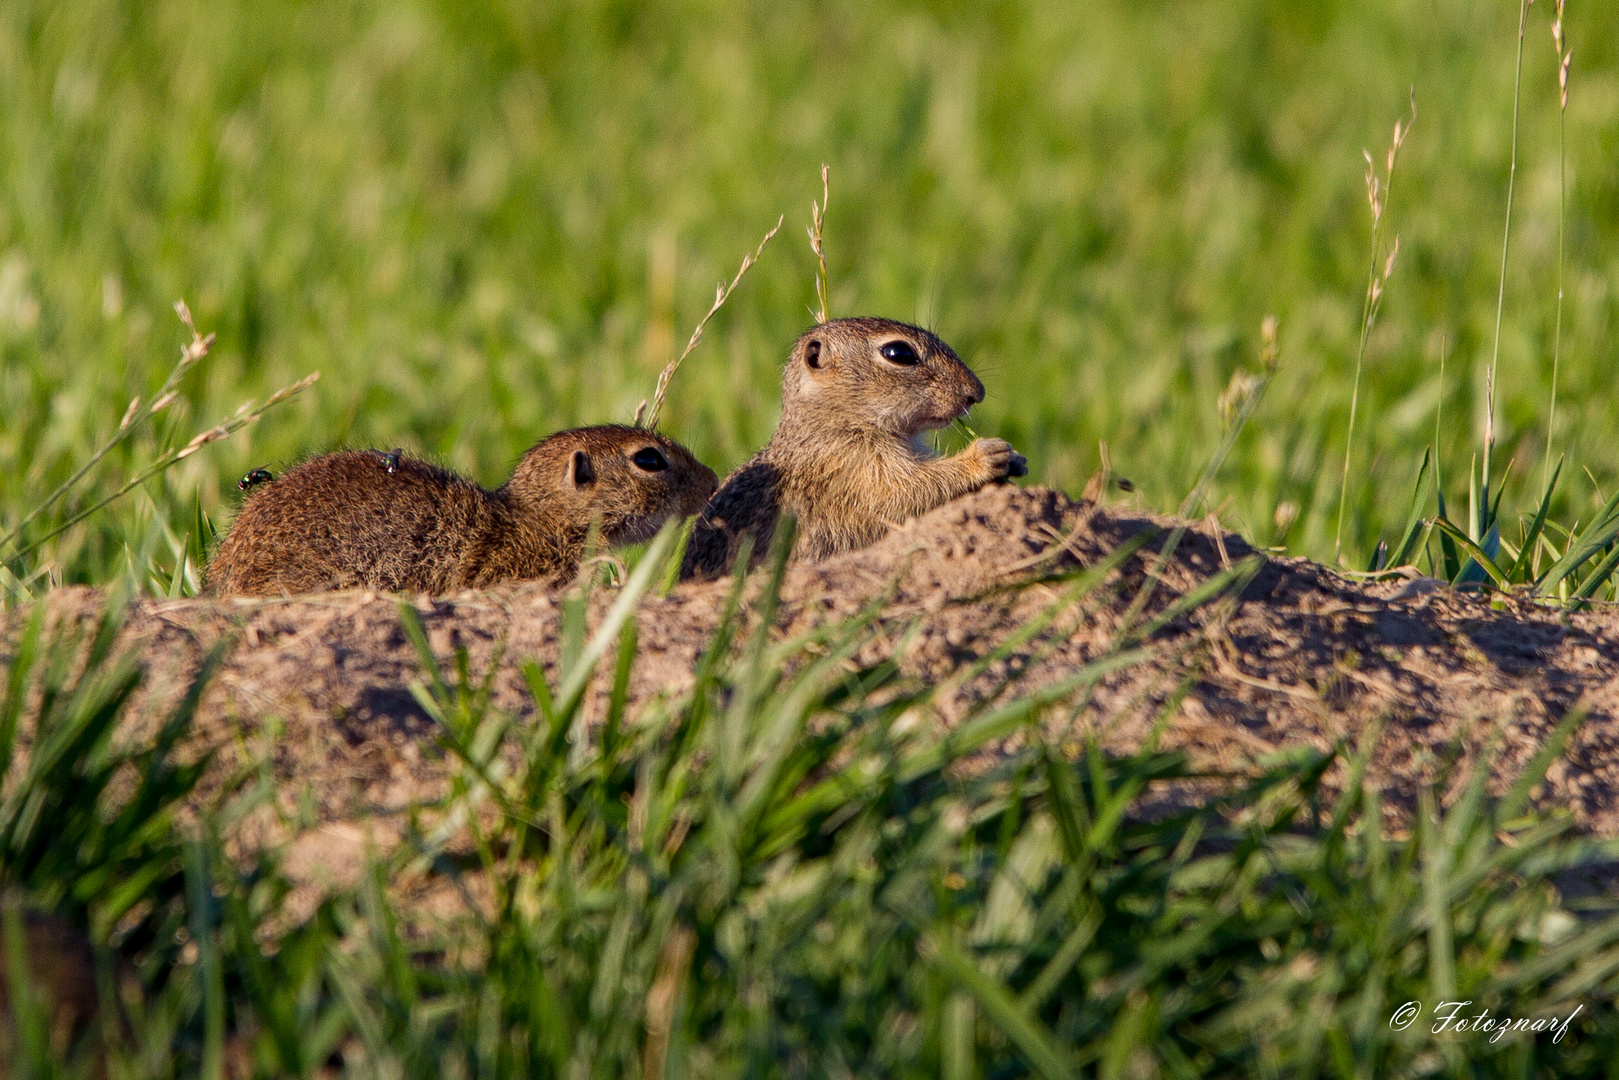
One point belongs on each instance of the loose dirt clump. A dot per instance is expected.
(1303, 657)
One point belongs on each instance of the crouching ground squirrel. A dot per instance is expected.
(394, 523)
(848, 457)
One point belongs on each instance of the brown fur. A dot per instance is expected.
(359, 518)
(847, 459)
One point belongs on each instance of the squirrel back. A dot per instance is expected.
(393, 523)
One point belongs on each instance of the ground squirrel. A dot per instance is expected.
(387, 521)
(848, 457)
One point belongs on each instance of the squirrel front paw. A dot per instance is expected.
(1000, 461)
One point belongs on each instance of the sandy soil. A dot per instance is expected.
(319, 686)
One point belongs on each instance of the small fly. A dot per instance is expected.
(254, 478)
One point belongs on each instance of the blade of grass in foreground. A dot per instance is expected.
(1025, 1030)
(575, 681)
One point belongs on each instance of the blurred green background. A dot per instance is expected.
(485, 221)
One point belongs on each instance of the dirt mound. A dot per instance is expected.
(320, 685)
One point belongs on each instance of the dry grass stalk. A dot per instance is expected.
(1377, 193)
(674, 966)
(816, 228)
(722, 292)
(193, 352)
(190, 354)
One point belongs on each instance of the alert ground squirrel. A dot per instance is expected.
(848, 457)
(394, 523)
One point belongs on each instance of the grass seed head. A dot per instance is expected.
(200, 440)
(1373, 187)
(1242, 384)
(816, 231)
(1564, 55)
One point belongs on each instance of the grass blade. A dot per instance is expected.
(1403, 552)
(575, 681)
(1516, 799)
(1233, 579)
(1479, 559)
(411, 623)
(1520, 568)
(1023, 1029)
(199, 891)
(1602, 530)
(1598, 576)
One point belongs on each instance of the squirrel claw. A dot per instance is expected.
(1001, 461)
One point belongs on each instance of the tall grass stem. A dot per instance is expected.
(1501, 287)
(1354, 398)
(1563, 57)
(1377, 194)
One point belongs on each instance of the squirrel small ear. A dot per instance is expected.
(581, 472)
(819, 360)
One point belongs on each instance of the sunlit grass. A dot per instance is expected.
(453, 218)
(483, 224)
(782, 870)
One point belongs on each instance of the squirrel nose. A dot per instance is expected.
(975, 389)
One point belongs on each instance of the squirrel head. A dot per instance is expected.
(877, 375)
(630, 479)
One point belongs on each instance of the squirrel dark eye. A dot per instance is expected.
(900, 352)
(649, 459)
(812, 354)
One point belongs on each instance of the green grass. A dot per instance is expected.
(780, 873)
(482, 223)
(485, 222)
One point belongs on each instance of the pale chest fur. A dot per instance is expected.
(849, 497)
